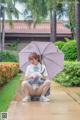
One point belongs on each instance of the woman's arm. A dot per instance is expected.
(44, 73)
(27, 78)
(45, 77)
(27, 72)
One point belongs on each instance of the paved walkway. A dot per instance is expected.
(61, 107)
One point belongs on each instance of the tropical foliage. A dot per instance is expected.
(70, 76)
(7, 56)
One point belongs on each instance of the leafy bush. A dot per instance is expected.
(70, 50)
(6, 56)
(13, 45)
(8, 71)
(60, 44)
(70, 76)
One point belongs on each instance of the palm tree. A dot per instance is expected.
(2, 26)
(74, 20)
(8, 7)
(51, 5)
(40, 9)
(71, 16)
(53, 25)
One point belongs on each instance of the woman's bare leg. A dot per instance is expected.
(43, 88)
(40, 91)
(27, 88)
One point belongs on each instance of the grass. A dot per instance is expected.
(78, 94)
(7, 93)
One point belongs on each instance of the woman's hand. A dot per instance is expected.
(45, 78)
(36, 74)
(28, 77)
(39, 74)
(32, 75)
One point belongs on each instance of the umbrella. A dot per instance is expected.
(51, 56)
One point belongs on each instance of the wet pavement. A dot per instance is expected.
(61, 107)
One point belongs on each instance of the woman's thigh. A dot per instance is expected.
(40, 89)
(36, 92)
(27, 86)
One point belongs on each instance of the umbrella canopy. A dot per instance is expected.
(51, 56)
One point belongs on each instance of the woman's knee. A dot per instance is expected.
(47, 82)
(24, 83)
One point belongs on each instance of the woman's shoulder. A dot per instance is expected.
(29, 66)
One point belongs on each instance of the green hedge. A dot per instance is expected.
(70, 76)
(60, 44)
(70, 50)
(6, 56)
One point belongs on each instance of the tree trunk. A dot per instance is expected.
(53, 25)
(2, 37)
(3, 33)
(77, 14)
(0, 34)
(0, 29)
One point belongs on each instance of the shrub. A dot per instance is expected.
(70, 50)
(70, 76)
(8, 71)
(13, 45)
(6, 56)
(60, 44)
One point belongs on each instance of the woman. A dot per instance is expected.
(36, 81)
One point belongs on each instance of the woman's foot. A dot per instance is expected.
(26, 99)
(44, 99)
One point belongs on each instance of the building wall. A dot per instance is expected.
(21, 42)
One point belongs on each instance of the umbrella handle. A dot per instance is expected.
(42, 71)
